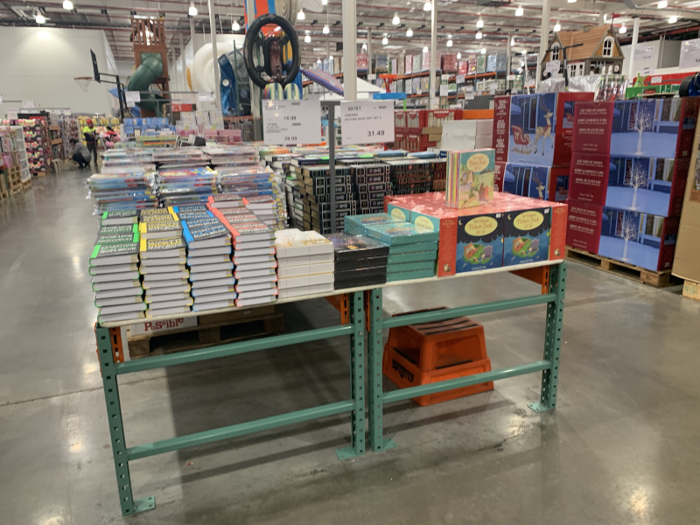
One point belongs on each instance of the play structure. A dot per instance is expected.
(150, 52)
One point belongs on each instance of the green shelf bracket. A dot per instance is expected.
(144, 504)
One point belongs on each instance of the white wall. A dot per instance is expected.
(640, 64)
(43, 69)
(666, 55)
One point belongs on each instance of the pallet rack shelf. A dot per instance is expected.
(550, 274)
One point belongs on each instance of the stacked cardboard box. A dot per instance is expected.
(467, 134)
(418, 130)
(317, 197)
(628, 178)
(370, 183)
(535, 131)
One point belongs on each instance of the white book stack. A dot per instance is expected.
(305, 263)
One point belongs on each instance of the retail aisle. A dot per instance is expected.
(622, 447)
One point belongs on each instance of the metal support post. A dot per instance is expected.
(116, 428)
(552, 342)
(375, 353)
(331, 159)
(544, 40)
(635, 37)
(357, 377)
(370, 69)
(255, 91)
(432, 100)
(349, 49)
(215, 53)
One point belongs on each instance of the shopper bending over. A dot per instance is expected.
(90, 133)
(81, 154)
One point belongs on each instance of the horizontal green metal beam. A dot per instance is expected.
(450, 313)
(241, 429)
(432, 388)
(214, 352)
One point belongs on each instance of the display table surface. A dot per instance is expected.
(366, 382)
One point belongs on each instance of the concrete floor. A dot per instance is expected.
(623, 446)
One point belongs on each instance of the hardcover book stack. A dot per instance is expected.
(317, 213)
(132, 160)
(122, 191)
(208, 259)
(305, 263)
(180, 158)
(370, 183)
(162, 266)
(356, 224)
(268, 209)
(114, 268)
(231, 156)
(187, 186)
(409, 241)
(246, 180)
(358, 261)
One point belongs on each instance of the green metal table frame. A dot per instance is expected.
(549, 365)
(111, 368)
(123, 454)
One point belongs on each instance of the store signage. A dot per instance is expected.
(552, 66)
(12, 114)
(444, 90)
(150, 327)
(646, 71)
(372, 76)
(460, 79)
(288, 122)
(367, 122)
(690, 53)
(656, 80)
(510, 77)
(27, 104)
(205, 96)
(132, 97)
(643, 53)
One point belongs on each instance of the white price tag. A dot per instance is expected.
(372, 76)
(292, 122)
(460, 79)
(205, 96)
(646, 71)
(510, 77)
(419, 91)
(656, 80)
(132, 97)
(367, 122)
(12, 114)
(469, 89)
(469, 95)
(27, 103)
(643, 53)
(690, 53)
(552, 66)
(444, 90)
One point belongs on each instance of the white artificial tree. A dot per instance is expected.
(643, 121)
(638, 179)
(630, 230)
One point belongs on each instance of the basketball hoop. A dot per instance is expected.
(83, 82)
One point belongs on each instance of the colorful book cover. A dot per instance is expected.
(117, 229)
(204, 232)
(400, 233)
(119, 214)
(470, 178)
(347, 246)
(112, 250)
(526, 236)
(117, 238)
(157, 245)
(479, 242)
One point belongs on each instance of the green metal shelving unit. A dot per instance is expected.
(355, 330)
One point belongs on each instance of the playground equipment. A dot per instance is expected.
(150, 58)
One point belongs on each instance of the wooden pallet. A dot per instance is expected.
(15, 189)
(40, 173)
(211, 330)
(691, 289)
(656, 279)
(27, 184)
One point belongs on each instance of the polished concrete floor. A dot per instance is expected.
(623, 446)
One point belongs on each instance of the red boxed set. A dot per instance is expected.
(448, 63)
(499, 171)
(408, 64)
(463, 67)
(416, 120)
(400, 120)
(435, 117)
(418, 142)
(362, 61)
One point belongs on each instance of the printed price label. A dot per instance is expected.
(690, 53)
(460, 79)
(643, 53)
(132, 97)
(444, 90)
(205, 96)
(367, 122)
(510, 77)
(372, 76)
(292, 122)
(27, 103)
(12, 114)
(552, 66)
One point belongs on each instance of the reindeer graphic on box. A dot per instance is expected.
(532, 127)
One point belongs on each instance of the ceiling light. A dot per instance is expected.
(479, 23)
(318, 61)
(301, 15)
(427, 6)
(449, 43)
(459, 56)
(623, 28)
(425, 49)
(193, 10)
(525, 52)
(662, 5)
(557, 27)
(409, 32)
(236, 26)
(326, 30)
(364, 47)
(67, 5)
(512, 41)
(324, 2)
(483, 50)
(571, 1)
(519, 11)
(40, 19)
(479, 34)
(396, 20)
(672, 19)
(307, 39)
(385, 41)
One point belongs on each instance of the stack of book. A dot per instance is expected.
(122, 191)
(180, 158)
(356, 224)
(305, 263)
(359, 261)
(162, 265)
(265, 207)
(410, 248)
(187, 186)
(246, 180)
(209, 260)
(229, 156)
(114, 269)
(128, 160)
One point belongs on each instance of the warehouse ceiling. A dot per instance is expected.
(502, 20)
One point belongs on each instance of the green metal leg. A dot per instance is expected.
(375, 354)
(357, 377)
(116, 428)
(552, 343)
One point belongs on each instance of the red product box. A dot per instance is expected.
(418, 142)
(448, 63)
(593, 126)
(435, 117)
(498, 175)
(362, 61)
(536, 129)
(463, 67)
(416, 120)
(472, 65)
(400, 120)
(408, 65)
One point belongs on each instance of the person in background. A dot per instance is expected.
(90, 134)
(81, 154)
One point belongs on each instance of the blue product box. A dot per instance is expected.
(537, 182)
(526, 236)
(479, 242)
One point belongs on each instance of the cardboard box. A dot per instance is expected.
(687, 261)
(537, 182)
(691, 290)
(536, 129)
(640, 239)
(470, 178)
(647, 127)
(643, 184)
(408, 65)
(499, 173)
(449, 63)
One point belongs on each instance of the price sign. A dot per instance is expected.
(444, 90)
(460, 79)
(372, 76)
(643, 53)
(367, 122)
(469, 89)
(132, 97)
(690, 53)
(205, 96)
(292, 122)
(552, 66)
(419, 91)
(12, 114)
(647, 70)
(656, 80)
(510, 77)
(27, 104)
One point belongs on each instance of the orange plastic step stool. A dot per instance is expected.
(436, 351)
